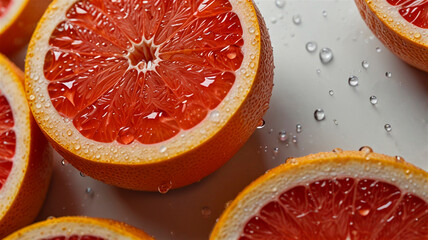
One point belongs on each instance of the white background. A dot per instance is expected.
(299, 90)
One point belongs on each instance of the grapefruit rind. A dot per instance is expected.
(315, 167)
(68, 226)
(71, 139)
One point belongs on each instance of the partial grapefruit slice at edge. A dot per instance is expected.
(71, 228)
(309, 197)
(186, 157)
(25, 186)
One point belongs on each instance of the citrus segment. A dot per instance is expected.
(24, 168)
(174, 74)
(342, 195)
(144, 93)
(7, 139)
(79, 228)
(414, 12)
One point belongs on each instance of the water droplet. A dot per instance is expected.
(273, 20)
(50, 218)
(399, 159)
(64, 162)
(366, 149)
(89, 190)
(388, 74)
(365, 64)
(299, 128)
(318, 71)
(282, 136)
(251, 30)
(337, 150)
(353, 81)
(311, 47)
(280, 3)
(82, 174)
(262, 124)
(77, 147)
(326, 55)
(319, 114)
(291, 160)
(165, 187)
(32, 97)
(38, 105)
(275, 151)
(297, 19)
(162, 149)
(69, 133)
(373, 100)
(331, 92)
(418, 35)
(215, 116)
(364, 212)
(227, 204)
(335, 122)
(324, 13)
(378, 49)
(206, 212)
(388, 127)
(294, 139)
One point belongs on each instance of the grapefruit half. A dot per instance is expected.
(401, 25)
(149, 95)
(338, 195)
(24, 169)
(18, 19)
(79, 228)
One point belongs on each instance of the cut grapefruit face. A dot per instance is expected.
(79, 228)
(24, 173)
(18, 18)
(402, 25)
(149, 89)
(338, 195)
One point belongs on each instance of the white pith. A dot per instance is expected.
(62, 130)
(262, 192)
(391, 17)
(14, 92)
(11, 14)
(72, 226)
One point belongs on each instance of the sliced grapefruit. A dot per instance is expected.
(24, 170)
(402, 25)
(338, 195)
(18, 19)
(79, 228)
(149, 95)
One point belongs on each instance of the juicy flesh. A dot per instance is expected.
(75, 237)
(4, 6)
(414, 11)
(7, 139)
(345, 208)
(135, 70)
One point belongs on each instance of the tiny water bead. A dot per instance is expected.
(298, 128)
(324, 13)
(366, 149)
(282, 136)
(262, 124)
(294, 139)
(319, 114)
(311, 47)
(297, 19)
(165, 187)
(378, 49)
(373, 100)
(162, 149)
(388, 127)
(388, 74)
(331, 92)
(64, 162)
(275, 151)
(318, 71)
(335, 122)
(280, 3)
(365, 64)
(82, 174)
(206, 212)
(353, 81)
(326, 55)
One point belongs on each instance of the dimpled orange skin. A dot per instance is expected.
(294, 166)
(18, 32)
(411, 51)
(123, 228)
(198, 163)
(31, 195)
